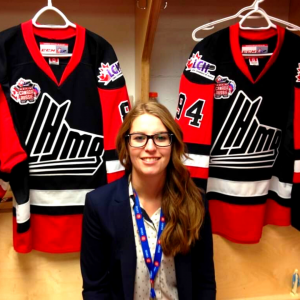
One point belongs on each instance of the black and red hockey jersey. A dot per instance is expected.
(59, 119)
(240, 118)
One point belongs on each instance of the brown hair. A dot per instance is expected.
(181, 200)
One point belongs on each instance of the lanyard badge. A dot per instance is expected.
(152, 266)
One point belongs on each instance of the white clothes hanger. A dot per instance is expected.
(252, 9)
(257, 9)
(67, 24)
(51, 7)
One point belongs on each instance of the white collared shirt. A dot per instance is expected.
(165, 284)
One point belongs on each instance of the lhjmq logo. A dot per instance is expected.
(109, 72)
(243, 142)
(199, 66)
(57, 149)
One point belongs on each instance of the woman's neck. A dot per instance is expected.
(149, 190)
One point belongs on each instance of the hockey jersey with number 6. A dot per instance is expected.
(240, 118)
(59, 120)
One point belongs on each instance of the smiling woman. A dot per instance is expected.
(149, 158)
(148, 233)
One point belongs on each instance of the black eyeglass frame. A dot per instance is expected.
(127, 136)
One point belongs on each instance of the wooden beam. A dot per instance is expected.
(145, 28)
(294, 13)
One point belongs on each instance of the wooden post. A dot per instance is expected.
(145, 28)
(294, 13)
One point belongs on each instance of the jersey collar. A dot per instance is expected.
(235, 33)
(29, 31)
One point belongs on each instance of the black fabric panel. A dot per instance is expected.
(5, 176)
(19, 182)
(200, 183)
(56, 210)
(237, 200)
(111, 155)
(240, 174)
(198, 149)
(21, 228)
(295, 206)
(297, 154)
(279, 200)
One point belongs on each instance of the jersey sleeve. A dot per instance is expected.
(115, 105)
(11, 151)
(195, 109)
(13, 157)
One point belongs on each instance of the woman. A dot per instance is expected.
(156, 204)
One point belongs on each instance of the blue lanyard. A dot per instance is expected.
(152, 267)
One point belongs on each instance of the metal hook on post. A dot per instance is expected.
(145, 7)
(138, 5)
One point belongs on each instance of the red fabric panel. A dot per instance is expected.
(11, 151)
(237, 223)
(257, 35)
(112, 119)
(22, 241)
(193, 92)
(114, 176)
(296, 178)
(197, 172)
(277, 214)
(2, 192)
(52, 234)
(54, 34)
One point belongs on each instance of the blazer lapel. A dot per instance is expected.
(183, 269)
(125, 237)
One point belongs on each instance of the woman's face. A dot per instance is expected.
(149, 160)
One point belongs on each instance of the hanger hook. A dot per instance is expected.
(166, 4)
(256, 4)
(138, 5)
(49, 3)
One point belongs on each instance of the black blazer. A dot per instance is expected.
(108, 255)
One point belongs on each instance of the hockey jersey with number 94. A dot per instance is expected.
(59, 120)
(241, 121)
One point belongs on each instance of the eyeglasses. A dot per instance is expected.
(138, 140)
